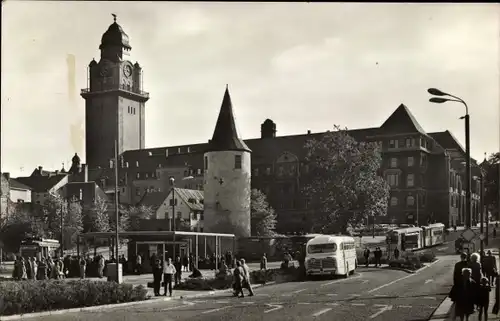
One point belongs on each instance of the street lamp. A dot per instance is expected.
(481, 206)
(439, 100)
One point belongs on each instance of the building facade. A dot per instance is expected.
(424, 170)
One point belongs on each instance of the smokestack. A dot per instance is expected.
(85, 173)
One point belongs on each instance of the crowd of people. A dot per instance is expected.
(473, 278)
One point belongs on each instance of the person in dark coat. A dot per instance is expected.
(483, 298)
(157, 275)
(178, 269)
(489, 267)
(366, 255)
(239, 279)
(459, 266)
(396, 253)
(463, 295)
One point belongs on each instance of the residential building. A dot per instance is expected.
(18, 192)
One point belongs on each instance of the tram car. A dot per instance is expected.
(416, 238)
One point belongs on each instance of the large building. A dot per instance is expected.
(425, 170)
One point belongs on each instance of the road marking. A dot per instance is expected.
(380, 305)
(200, 301)
(218, 309)
(320, 312)
(342, 280)
(304, 303)
(358, 304)
(355, 295)
(332, 294)
(247, 302)
(275, 307)
(404, 306)
(381, 295)
(429, 298)
(390, 283)
(222, 302)
(364, 281)
(386, 308)
(334, 304)
(298, 291)
(428, 281)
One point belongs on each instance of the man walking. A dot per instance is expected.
(246, 271)
(366, 254)
(168, 275)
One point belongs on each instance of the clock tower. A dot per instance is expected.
(114, 101)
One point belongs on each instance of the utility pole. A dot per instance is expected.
(62, 227)
(172, 183)
(117, 213)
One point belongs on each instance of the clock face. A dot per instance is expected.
(127, 71)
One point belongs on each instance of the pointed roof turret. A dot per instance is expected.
(225, 136)
(402, 121)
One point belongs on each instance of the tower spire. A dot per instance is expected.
(114, 17)
(225, 136)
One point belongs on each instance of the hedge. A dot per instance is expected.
(425, 257)
(226, 282)
(20, 297)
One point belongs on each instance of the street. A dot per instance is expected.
(370, 294)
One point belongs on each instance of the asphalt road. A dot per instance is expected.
(371, 294)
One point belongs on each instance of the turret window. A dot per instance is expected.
(237, 161)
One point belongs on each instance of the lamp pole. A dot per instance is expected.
(117, 212)
(172, 184)
(466, 118)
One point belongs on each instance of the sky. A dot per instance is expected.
(306, 66)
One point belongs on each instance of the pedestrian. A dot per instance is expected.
(100, 266)
(157, 274)
(489, 266)
(459, 266)
(42, 270)
(475, 267)
(378, 256)
(178, 270)
(168, 276)
(366, 255)
(185, 263)
(138, 264)
(27, 262)
(239, 276)
(246, 283)
(483, 298)
(494, 232)
(396, 253)
(463, 295)
(83, 267)
(34, 268)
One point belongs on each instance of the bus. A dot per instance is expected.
(38, 247)
(331, 255)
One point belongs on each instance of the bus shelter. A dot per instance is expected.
(169, 244)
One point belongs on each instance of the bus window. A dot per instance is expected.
(322, 248)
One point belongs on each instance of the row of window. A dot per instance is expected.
(393, 180)
(410, 161)
(131, 110)
(410, 201)
(410, 142)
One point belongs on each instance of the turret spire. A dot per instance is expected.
(225, 136)
(114, 17)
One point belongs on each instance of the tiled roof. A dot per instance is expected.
(447, 140)
(188, 194)
(402, 121)
(40, 184)
(225, 134)
(154, 199)
(13, 183)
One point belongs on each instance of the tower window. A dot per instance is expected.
(237, 161)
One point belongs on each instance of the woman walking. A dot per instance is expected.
(464, 296)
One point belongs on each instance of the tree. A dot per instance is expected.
(131, 216)
(100, 216)
(491, 184)
(344, 185)
(262, 216)
(17, 225)
(72, 219)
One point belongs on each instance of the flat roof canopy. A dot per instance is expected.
(152, 233)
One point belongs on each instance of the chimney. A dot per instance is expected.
(40, 168)
(85, 173)
(6, 175)
(268, 129)
(308, 132)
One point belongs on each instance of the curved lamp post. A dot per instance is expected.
(172, 225)
(439, 100)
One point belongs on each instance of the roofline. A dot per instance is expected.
(153, 233)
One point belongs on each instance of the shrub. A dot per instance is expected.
(427, 257)
(256, 277)
(20, 297)
(411, 263)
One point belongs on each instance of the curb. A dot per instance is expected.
(118, 305)
(443, 311)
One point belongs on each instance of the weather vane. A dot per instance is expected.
(114, 17)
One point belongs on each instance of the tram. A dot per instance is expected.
(38, 247)
(416, 238)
